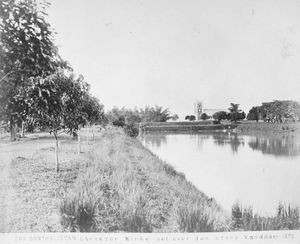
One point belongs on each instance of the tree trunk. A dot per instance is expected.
(23, 129)
(87, 137)
(56, 152)
(13, 131)
(93, 134)
(79, 142)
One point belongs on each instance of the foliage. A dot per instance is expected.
(235, 113)
(278, 111)
(190, 117)
(27, 50)
(204, 116)
(175, 117)
(218, 116)
(155, 114)
(286, 218)
(148, 114)
(131, 130)
(62, 102)
(254, 113)
(120, 122)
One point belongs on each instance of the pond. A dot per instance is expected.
(258, 171)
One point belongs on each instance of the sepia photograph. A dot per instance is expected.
(162, 121)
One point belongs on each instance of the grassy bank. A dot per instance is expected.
(127, 188)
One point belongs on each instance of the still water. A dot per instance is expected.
(258, 171)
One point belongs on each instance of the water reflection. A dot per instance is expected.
(232, 167)
(231, 139)
(155, 140)
(278, 146)
(274, 145)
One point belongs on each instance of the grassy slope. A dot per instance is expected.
(127, 188)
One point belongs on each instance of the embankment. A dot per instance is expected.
(269, 128)
(183, 126)
(126, 188)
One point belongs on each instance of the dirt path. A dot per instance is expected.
(8, 197)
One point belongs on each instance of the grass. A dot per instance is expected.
(35, 189)
(243, 219)
(128, 189)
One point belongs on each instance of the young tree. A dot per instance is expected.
(26, 50)
(61, 103)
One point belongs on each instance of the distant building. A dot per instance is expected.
(199, 110)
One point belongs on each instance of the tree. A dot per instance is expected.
(61, 103)
(277, 111)
(175, 117)
(218, 116)
(26, 50)
(254, 113)
(120, 122)
(192, 117)
(235, 113)
(155, 114)
(204, 116)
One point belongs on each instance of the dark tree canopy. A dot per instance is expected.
(190, 117)
(204, 116)
(277, 111)
(235, 113)
(221, 115)
(26, 50)
(62, 102)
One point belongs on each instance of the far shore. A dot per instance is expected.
(244, 126)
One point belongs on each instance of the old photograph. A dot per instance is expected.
(150, 116)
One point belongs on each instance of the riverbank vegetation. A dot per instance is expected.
(277, 111)
(286, 218)
(127, 188)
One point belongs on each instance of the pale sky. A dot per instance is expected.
(173, 52)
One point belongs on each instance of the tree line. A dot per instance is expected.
(277, 111)
(38, 87)
(235, 114)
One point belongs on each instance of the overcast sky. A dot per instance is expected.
(173, 52)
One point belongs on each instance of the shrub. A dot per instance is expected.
(131, 130)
